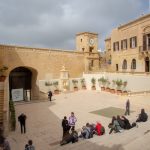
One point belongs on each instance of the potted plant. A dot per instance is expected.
(107, 85)
(124, 87)
(75, 82)
(2, 75)
(56, 90)
(119, 83)
(112, 90)
(102, 81)
(47, 83)
(83, 83)
(93, 80)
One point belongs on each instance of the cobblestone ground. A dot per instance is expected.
(44, 120)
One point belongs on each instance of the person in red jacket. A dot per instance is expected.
(99, 129)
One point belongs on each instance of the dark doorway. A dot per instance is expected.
(147, 64)
(117, 68)
(20, 78)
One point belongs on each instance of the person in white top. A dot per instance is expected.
(72, 120)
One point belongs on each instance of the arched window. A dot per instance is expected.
(124, 65)
(133, 64)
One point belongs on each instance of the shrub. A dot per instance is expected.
(12, 115)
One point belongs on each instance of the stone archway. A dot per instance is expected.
(22, 81)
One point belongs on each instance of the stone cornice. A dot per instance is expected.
(134, 21)
(108, 38)
(87, 33)
(14, 47)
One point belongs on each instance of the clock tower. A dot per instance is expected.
(87, 43)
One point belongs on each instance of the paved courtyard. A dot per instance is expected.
(44, 121)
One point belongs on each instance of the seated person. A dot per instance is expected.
(86, 132)
(100, 130)
(127, 124)
(142, 116)
(121, 122)
(114, 125)
(70, 137)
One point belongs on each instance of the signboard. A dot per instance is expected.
(17, 94)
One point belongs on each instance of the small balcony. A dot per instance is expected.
(144, 50)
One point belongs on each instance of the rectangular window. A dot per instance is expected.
(124, 44)
(116, 46)
(133, 42)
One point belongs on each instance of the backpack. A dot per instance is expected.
(103, 130)
(29, 147)
(133, 124)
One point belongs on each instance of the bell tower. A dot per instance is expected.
(87, 43)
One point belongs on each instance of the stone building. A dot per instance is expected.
(128, 47)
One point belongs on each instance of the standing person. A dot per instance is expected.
(127, 107)
(72, 120)
(65, 126)
(50, 94)
(29, 146)
(22, 119)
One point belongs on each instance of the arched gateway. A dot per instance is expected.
(22, 83)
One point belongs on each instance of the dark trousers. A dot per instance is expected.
(50, 98)
(127, 111)
(23, 127)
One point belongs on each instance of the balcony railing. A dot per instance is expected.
(144, 48)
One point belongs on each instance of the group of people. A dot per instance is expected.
(69, 132)
(71, 135)
(119, 124)
(90, 129)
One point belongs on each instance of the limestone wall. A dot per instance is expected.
(44, 61)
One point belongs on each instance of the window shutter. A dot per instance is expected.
(144, 42)
(135, 41)
(130, 42)
(126, 44)
(122, 44)
(114, 46)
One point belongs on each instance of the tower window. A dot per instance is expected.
(83, 49)
(91, 49)
(81, 40)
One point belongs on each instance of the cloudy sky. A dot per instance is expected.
(54, 23)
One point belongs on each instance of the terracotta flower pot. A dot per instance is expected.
(102, 88)
(84, 87)
(119, 92)
(93, 88)
(112, 91)
(56, 91)
(75, 88)
(107, 89)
